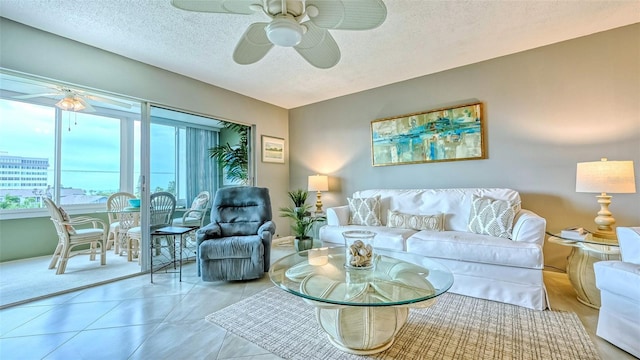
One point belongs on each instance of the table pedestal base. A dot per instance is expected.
(357, 351)
(362, 330)
(582, 276)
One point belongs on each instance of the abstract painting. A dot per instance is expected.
(437, 135)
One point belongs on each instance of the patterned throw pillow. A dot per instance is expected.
(417, 222)
(492, 217)
(65, 217)
(364, 211)
(198, 204)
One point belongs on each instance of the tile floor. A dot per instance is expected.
(134, 319)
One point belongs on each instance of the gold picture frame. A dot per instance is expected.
(448, 134)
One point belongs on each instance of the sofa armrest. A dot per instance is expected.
(629, 240)
(529, 227)
(338, 215)
(618, 277)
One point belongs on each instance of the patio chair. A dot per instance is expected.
(162, 207)
(194, 216)
(116, 202)
(69, 237)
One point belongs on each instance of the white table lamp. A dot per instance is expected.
(604, 177)
(318, 183)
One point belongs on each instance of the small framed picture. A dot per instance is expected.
(272, 149)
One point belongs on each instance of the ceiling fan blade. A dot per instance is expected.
(87, 106)
(219, 6)
(35, 95)
(318, 47)
(108, 101)
(253, 45)
(348, 14)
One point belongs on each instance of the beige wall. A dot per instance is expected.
(545, 109)
(35, 52)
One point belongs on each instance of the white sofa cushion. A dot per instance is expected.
(466, 246)
(387, 238)
(433, 222)
(491, 217)
(364, 211)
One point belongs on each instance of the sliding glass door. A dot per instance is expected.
(180, 163)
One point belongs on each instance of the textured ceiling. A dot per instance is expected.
(417, 38)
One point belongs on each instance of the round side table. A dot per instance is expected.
(580, 266)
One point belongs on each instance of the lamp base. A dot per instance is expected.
(318, 202)
(605, 219)
(609, 235)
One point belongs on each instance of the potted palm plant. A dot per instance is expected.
(234, 158)
(298, 197)
(302, 220)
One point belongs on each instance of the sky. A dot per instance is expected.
(90, 149)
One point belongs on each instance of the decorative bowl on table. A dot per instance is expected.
(134, 203)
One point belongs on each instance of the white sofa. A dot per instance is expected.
(496, 268)
(619, 284)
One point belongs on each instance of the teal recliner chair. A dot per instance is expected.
(236, 245)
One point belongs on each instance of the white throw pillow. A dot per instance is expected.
(417, 222)
(492, 217)
(364, 211)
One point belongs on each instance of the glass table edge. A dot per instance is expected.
(408, 302)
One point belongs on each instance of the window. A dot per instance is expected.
(27, 140)
(79, 158)
(73, 157)
(90, 159)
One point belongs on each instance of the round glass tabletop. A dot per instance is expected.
(396, 278)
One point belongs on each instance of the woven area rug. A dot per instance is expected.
(456, 327)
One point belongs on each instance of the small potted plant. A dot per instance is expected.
(302, 220)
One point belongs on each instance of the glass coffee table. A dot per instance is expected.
(361, 310)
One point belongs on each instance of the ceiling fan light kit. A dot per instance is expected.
(301, 24)
(67, 103)
(284, 31)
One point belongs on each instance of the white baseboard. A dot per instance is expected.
(282, 241)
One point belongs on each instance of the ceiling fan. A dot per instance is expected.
(288, 28)
(75, 100)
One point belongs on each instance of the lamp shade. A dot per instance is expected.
(318, 183)
(604, 176)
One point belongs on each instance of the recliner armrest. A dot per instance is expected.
(210, 231)
(268, 226)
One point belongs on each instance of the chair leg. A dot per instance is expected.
(93, 246)
(116, 243)
(56, 256)
(103, 253)
(129, 248)
(135, 249)
(62, 266)
(111, 239)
